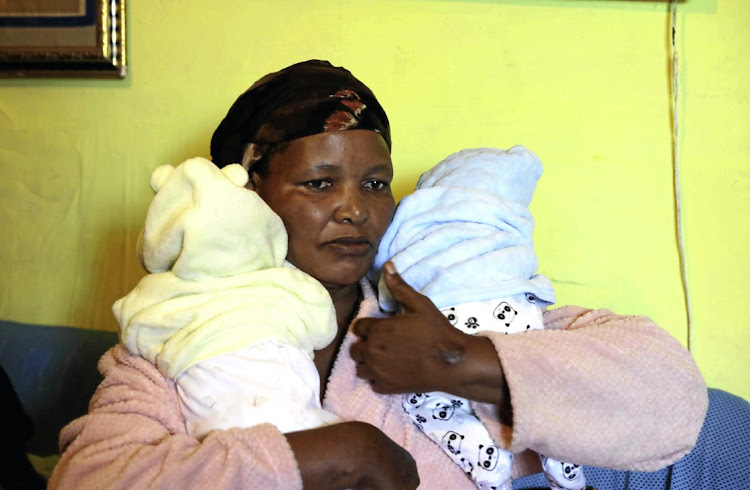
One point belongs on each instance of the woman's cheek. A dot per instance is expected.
(387, 209)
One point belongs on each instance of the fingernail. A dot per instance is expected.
(389, 267)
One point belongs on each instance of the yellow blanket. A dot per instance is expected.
(215, 252)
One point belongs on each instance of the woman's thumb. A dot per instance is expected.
(404, 294)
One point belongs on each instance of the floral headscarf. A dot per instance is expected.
(306, 98)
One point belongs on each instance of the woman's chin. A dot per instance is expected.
(341, 276)
(336, 270)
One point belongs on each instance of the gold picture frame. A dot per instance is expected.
(62, 39)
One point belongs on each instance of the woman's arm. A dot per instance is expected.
(597, 388)
(134, 437)
(602, 389)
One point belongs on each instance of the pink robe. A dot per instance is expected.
(595, 388)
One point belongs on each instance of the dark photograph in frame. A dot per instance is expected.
(62, 39)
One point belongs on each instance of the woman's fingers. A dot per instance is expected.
(358, 351)
(361, 327)
(364, 372)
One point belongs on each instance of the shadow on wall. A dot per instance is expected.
(116, 271)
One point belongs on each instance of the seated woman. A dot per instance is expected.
(316, 143)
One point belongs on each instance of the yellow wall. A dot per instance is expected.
(583, 83)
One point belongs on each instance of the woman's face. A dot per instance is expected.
(332, 190)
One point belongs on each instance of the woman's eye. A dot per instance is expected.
(376, 185)
(318, 184)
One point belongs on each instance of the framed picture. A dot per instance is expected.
(62, 38)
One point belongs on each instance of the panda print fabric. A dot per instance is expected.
(520, 313)
(449, 420)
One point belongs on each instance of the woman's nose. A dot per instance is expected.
(351, 207)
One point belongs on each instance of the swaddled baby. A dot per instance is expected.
(220, 311)
(464, 239)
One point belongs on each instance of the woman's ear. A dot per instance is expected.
(253, 183)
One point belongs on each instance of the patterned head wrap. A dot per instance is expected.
(306, 98)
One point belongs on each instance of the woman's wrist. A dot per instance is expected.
(475, 372)
(323, 461)
(351, 455)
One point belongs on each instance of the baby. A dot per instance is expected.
(463, 239)
(221, 312)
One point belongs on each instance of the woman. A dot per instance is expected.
(317, 145)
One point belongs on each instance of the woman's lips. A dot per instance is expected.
(350, 245)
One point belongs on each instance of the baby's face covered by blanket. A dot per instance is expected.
(465, 234)
(203, 223)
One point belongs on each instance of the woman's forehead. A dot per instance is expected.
(336, 150)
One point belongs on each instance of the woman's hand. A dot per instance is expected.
(409, 352)
(420, 351)
(352, 455)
